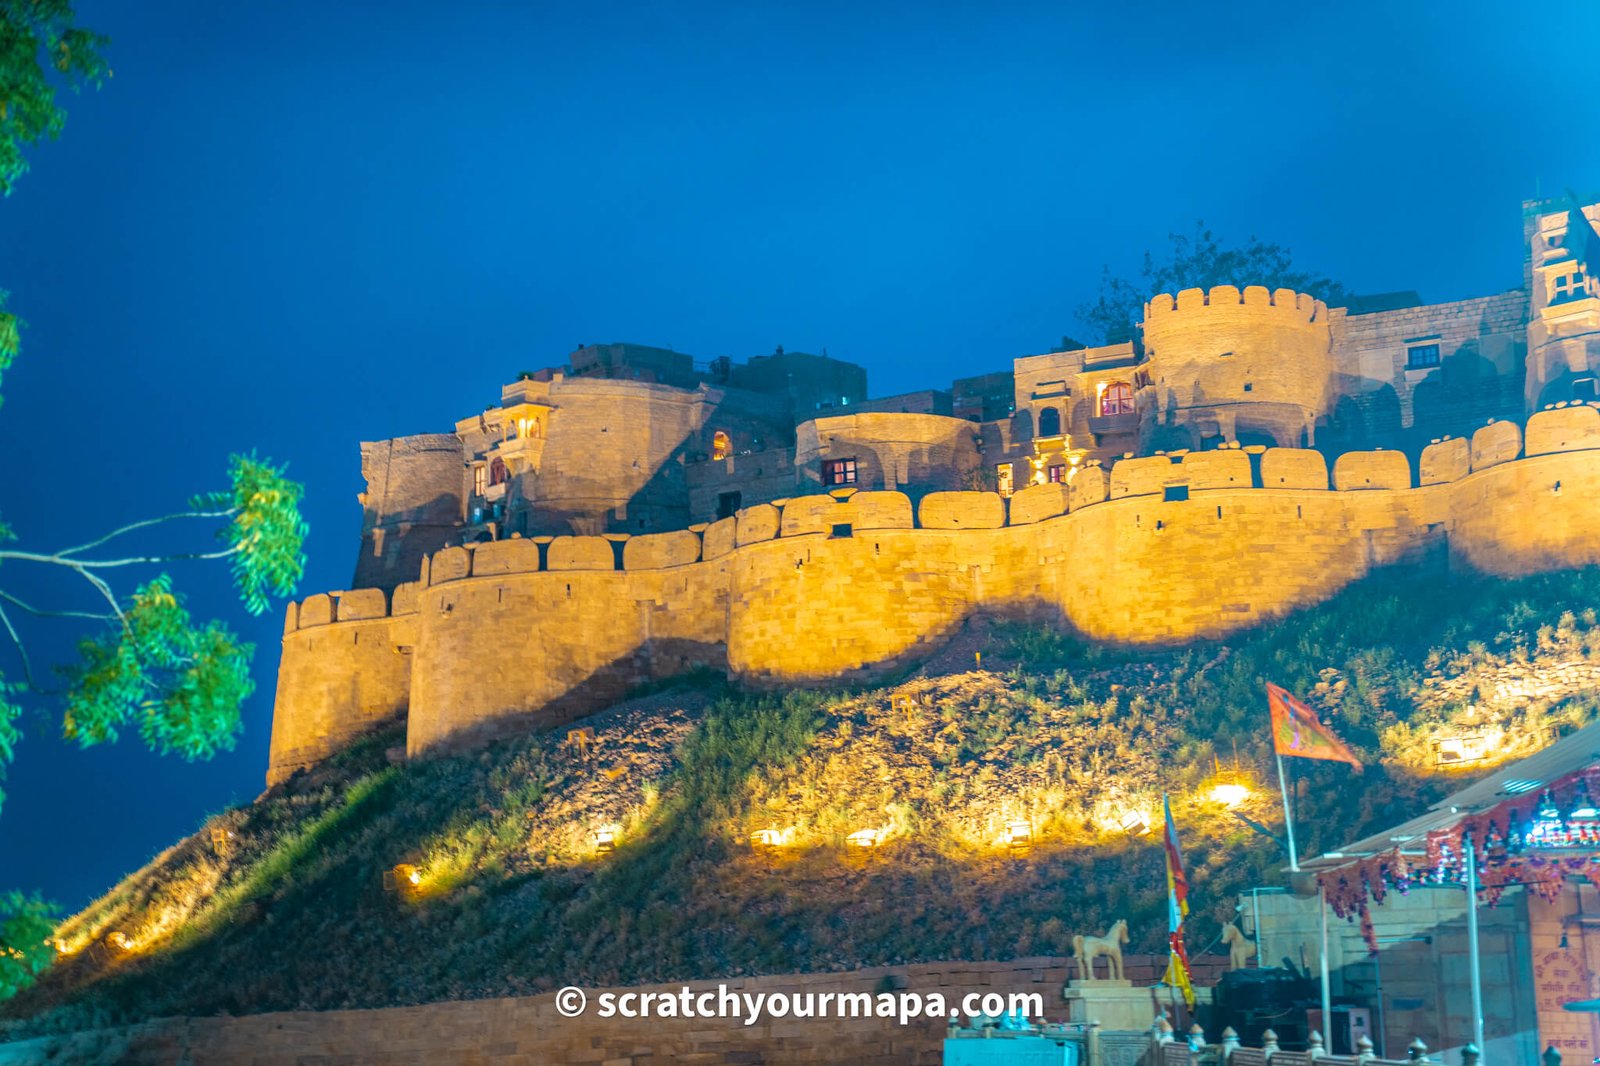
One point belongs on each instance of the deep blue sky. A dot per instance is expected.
(295, 226)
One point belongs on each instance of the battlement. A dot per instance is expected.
(845, 514)
(1256, 300)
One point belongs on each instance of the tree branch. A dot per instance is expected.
(42, 613)
(102, 564)
(27, 667)
(145, 524)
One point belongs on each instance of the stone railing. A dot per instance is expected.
(1194, 1050)
(1159, 1046)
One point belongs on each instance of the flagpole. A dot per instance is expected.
(1288, 819)
(1327, 993)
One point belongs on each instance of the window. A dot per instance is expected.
(1422, 356)
(1049, 422)
(728, 503)
(1568, 287)
(839, 472)
(497, 472)
(1058, 474)
(720, 446)
(480, 479)
(1002, 476)
(1583, 388)
(1116, 399)
(1174, 493)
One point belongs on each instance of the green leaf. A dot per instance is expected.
(181, 685)
(26, 923)
(40, 49)
(267, 531)
(10, 735)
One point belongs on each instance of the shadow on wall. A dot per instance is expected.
(623, 678)
(393, 550)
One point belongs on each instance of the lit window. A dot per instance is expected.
(1422, 356)
(1058, 474)
(480, 479)
(497, 472)
(839, 472)
(720, 446)
(1116, 399)
(1049, 422)
(1003, 482)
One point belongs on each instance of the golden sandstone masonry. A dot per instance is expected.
(635, 515)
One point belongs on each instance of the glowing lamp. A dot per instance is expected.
(1229, 793)
(1019, 834)
(406, 874)
(773, 838)
(865, 838)
(605, 838)
(1133, 823)
(120, 940)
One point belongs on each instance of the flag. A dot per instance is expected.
(1296, 731)
(1177, 974)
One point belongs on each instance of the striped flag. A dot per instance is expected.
(1296, 731)
(1177, 909)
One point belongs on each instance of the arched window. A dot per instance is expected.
(497, 472)
(1116, 399)
(720, 446)
(1049, 422)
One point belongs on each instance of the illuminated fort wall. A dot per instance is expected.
(523, 633)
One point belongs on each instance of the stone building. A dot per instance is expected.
(630, 439)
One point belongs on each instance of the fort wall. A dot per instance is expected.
(514, 635)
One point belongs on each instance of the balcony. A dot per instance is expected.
(1127, 422)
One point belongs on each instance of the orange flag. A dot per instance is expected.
(1296, 731)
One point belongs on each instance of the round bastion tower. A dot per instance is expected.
(1254, 367)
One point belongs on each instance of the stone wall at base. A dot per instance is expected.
(531, 1030)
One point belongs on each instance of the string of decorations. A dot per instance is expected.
(1514, 839)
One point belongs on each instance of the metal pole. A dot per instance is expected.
(1472, 941)
(1327, 992)
(1288, 819)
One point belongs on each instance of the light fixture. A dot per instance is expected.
(1548, 809)
(773, 838)
(1133, 823)
(605, 838)
(1229, 793)
(865, 838)
(1019, 834)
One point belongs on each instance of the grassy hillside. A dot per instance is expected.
(285, 903)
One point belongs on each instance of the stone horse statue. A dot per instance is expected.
(1240, 948)
(1088, 948)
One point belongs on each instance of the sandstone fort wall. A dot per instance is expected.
(525, 633)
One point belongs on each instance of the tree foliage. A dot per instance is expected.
(181, 683)
(41, 50)
(26, 923)
(1198, 262)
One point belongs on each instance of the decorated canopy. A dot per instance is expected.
(1532, 823)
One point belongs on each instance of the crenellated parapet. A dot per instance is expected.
(1251, 364)
(529, 632)
(1221, 300)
